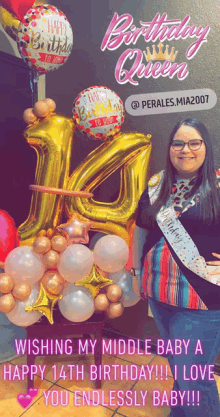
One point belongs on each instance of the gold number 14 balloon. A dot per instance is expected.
(52, 139)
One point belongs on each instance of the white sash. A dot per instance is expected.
(177, 236)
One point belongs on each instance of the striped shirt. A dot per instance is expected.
(163, 280)
(161, 277)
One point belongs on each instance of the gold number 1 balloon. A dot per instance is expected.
(52, 140)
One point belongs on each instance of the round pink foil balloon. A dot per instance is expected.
(111, 253)
(19, 316)
(75, 262)
(24, 264)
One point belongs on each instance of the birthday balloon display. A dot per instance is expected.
(98, 112)
(45, 38)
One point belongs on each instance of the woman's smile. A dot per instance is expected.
(186, 161)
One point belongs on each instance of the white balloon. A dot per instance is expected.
(111, 253)
(19, 316)
(129, 297)
(75, 263)
(22, 263)
(95, 239)
(116, 276)
(76, 304)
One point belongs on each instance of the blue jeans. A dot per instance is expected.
(182, 323)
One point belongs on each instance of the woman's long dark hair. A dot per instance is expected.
(206, 183)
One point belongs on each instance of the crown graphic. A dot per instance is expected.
(160, 56)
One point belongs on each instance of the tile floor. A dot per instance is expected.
(57, 395)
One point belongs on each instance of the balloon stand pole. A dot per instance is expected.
(37, 84)
(41, 87)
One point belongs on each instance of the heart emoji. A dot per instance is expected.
(24, 400)
(33, 392)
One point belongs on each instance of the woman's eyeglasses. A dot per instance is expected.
(193, 144)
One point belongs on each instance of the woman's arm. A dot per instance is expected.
(139, 239)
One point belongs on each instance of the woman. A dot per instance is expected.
(178, 220)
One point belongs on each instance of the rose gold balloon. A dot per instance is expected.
(53, 282)
(41, 109)
(21, 291)
(75, 230)
(51, 259)
(115, 310)
(51, 104)
(7, 303)
(101, 302)
(114, 292)
(41, 245)
(6, 283)
(29, 116)
(59, 243)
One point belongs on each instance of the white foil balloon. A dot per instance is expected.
(75, 263)
(76, 304)
(98, 112)
(111, 253)
(129, 297)
(19, 316)
(45, 38)
(22, 263)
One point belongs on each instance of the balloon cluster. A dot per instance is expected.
(81, 280)
(68, 273)
(110, 301)
(42, 108)
(52, 281)
(12, 292)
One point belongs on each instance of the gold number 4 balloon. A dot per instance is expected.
(52, 140)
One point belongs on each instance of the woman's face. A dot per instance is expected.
(186, 161)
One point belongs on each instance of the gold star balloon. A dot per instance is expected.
(94, 281)
(75, 230)
(45, 304)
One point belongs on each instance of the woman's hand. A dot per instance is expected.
(215, 263)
